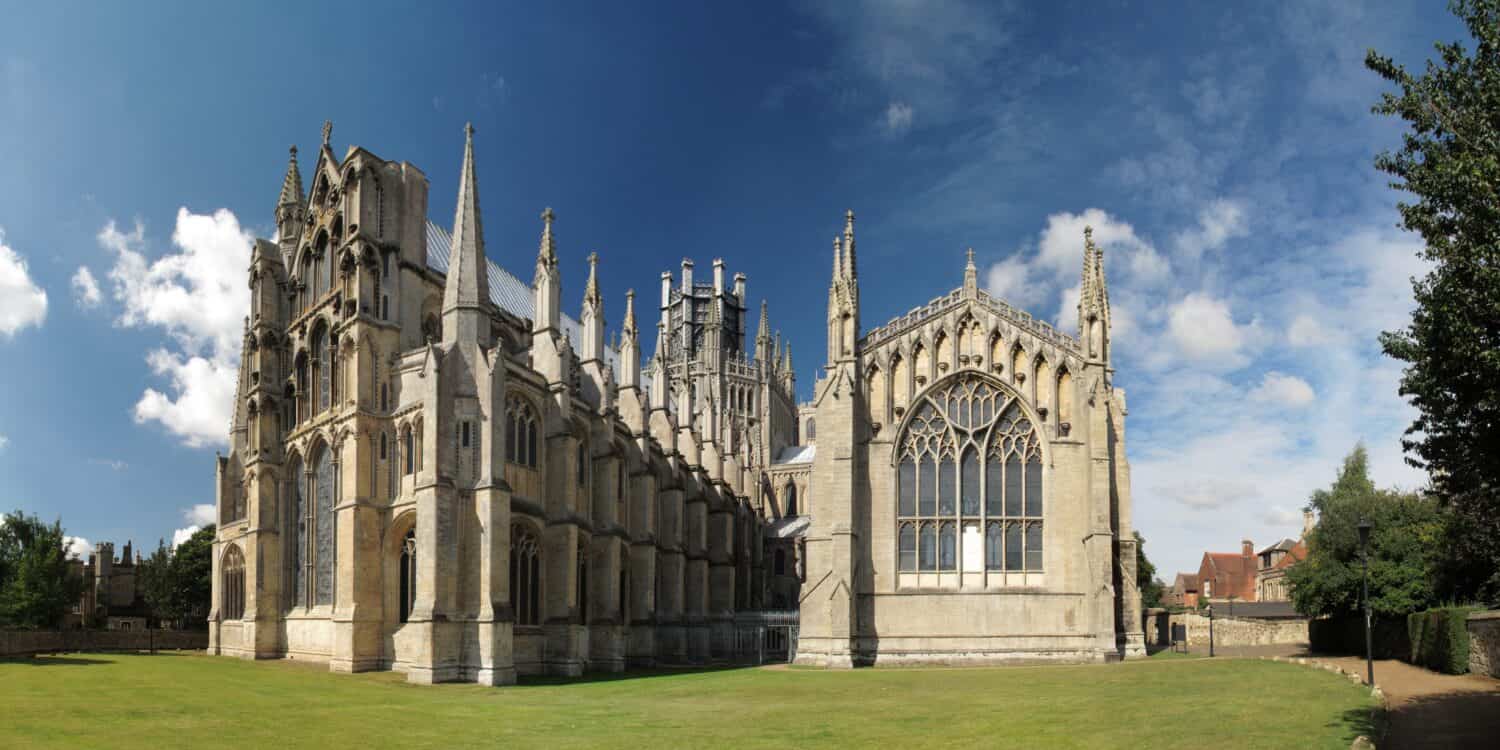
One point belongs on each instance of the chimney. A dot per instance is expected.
(687, 276)
(718, 276)
(1308, 521)
(1247, 548)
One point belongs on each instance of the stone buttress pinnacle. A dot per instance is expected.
(849, 265)
(467, 285)
(591, 296)
(629, 324)
(546, 254)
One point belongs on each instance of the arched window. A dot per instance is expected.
(297, 536)
(318, 353)
(232, 592)
(812, 429)
(525, 576)
(969, 458)
(408, 574)
(791, 500)
(520, 432)
(583, 464)
(583, 582)
(409, 448)
(324, 552)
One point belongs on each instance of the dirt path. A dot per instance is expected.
(1427, 709)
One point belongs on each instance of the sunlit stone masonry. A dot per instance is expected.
(433, 469)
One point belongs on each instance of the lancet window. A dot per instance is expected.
(520, 432)
(969, 460)
(233, 590)
(525, 576)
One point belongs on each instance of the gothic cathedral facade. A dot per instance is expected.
(426, 475)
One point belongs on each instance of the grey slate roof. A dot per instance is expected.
(508, 292)
(796, 454)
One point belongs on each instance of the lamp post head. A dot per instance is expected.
(1364, 531)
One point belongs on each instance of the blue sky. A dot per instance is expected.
(1221, 153)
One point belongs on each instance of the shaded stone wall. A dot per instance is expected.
(1484, 643)
(30, 642)
(1235, 631)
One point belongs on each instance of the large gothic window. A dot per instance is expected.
(232, 593)
(520, 433)
(323, 491)
(969, 459)
(525, 576)
(408, 574)
(296, 542)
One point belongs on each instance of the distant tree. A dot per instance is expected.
(1449, 161)
(1145, 575)
(1406, 547)
(155, 575)
(35, 587)
(178, 584)
(193, 573)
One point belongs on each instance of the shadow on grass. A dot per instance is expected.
(635, 674)
(1361, 721)
(1466, 719)
(56, 661)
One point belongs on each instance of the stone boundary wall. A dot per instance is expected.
(1484, 643)
(15, 643)
(1236, 631)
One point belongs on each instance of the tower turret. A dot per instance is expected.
(291, 208)
(843, 297)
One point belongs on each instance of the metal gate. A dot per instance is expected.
(767, 636)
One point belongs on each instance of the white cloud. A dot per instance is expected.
(1009, 280)
(4, 441)
(1205, 332)
(199, 297)
(22, 302)
(77, 546)
(1218, 222)
(1282, 389)
(199, 515)
(1278, 515)
(112, 463)
(86, 289)
(181, 535)
(1305, 331)
(898, 117)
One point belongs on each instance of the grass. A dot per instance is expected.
(127, 701)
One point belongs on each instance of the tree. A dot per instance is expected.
(193, 575)
(155, 573)
(1145, 575)
(35, 586)
(1406, 547)
(1449, 161)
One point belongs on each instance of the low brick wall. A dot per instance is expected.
(1484, 643)
(31, 642)
(1236, 631)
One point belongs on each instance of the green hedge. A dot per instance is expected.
(1345, 635)
(1440, 639)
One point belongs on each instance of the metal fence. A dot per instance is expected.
(766, 636)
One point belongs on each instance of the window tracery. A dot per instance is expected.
(525, 576)
(520, 432)
(969, 458)
(233, 575)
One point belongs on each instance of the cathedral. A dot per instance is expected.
(433, 469)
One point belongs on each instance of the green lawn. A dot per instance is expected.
(128, 701)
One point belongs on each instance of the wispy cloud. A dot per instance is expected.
(86, 289)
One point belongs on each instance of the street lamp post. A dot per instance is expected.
(1210, 630)
(1364, 553)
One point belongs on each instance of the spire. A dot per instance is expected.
(593, 314)
(849, 267)
(764, 332)
(971, 276)
(547, 282)
(629, 324)
(838, 262)
(591, 295)
(546, 250)
(786, 361)
(1093, 301)
(328, 131)
(291, 185)
(467, 287)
